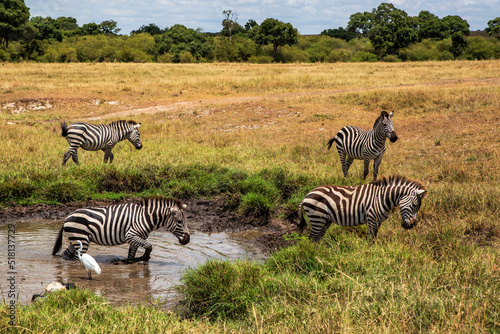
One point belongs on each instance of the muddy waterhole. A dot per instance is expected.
(36, 267)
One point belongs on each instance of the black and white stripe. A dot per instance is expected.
(355, 143)
(369, 203)
(124, 223)
(95, 137)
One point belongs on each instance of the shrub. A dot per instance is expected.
(260, 59)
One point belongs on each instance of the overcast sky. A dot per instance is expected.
(308, 16)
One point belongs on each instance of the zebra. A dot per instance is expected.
(123, 223)
(99, 137)
(355, 143)
(356, 205)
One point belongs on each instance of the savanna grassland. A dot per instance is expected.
(256, 135)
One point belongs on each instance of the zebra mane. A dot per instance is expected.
(383, 115)
(152, 199)
(397, 179)
(123, 122)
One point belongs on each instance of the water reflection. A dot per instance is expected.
(120, 284)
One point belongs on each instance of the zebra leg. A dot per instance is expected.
(72, 152)
(367, 166)
(108, 155)
(70, 252)
(376, 163)
(135, 242)
(346, 161)
(373, 228)
(132, 250)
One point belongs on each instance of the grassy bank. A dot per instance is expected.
(257, 135)
(404, 283)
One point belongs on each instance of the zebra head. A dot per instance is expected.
(135, 137)
(387, 125)
(180, 230)
(409, 206)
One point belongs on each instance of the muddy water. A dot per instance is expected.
(120, 284)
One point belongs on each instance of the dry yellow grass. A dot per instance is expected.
(252, 117)
(446, 112)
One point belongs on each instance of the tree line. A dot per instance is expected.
(384, 34)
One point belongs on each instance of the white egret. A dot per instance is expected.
(88, 261)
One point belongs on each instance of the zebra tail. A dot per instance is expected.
(302, 221)
(58, 244)
(64, 129)
(330, 142)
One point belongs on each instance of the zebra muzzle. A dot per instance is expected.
(408, 225)
(185, 239)
(393, 137)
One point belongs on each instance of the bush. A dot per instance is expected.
(480, 48)
(260, 59)
(186, 57)
(364, 56)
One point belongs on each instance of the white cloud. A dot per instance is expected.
(308, 16)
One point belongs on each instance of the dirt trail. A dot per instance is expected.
(179, 106)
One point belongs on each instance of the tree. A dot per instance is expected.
(340, 33)
(387, 27)
(108, 27)
(361, 22)
(67, 23)
(178, 39)
(229, 23)
(151, 29)
(249, 25)
(429, 26)
(14, 15)
(493, 26)
(48, 28)
(454, 24)
(275, 32)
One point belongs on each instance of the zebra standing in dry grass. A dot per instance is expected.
(355, 143)
(356, 205)
(123, 223)
(99, 137)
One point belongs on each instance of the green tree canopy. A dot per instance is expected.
(48, 28)
(178, 39)
(361, 22)
(275, 32)
(340, 33)
(393, 29)
(14, 15)
(454, 24)
(109, 27)
(493, 26)
(429, 26)
(151, 29)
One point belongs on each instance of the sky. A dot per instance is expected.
(308, 16)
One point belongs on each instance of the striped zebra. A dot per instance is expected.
(355, 143)
(123, 223)
(99, 137)
(355, 205)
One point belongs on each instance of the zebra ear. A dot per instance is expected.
(137, 126)
(184, 206)
(422, 193)
(391, 114)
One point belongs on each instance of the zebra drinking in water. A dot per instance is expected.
(355, 205)
(99, 137)
(355, 143)
(123, 223)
